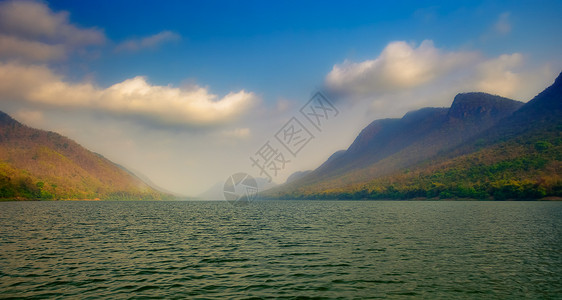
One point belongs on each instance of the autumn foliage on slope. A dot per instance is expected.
(37, 164)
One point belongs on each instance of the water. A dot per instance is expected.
(285, 249)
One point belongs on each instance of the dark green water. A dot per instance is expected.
(433, 250)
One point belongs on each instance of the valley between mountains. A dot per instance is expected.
(482, 147)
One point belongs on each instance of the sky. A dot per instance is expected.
(187, 93)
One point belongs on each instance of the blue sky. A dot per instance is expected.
(285, 48)
(184, 91)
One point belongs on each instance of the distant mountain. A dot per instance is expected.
(422, 141)
(37, 164)
(216, 191)
(155, 186)
(297, 175)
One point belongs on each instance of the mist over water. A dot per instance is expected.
(281, 249)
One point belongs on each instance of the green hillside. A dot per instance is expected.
(36, 164)
(529, 167)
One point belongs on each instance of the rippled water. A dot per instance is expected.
(281, 249)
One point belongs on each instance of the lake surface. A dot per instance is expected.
(286, 249)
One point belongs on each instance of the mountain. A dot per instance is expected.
(37, 164)
(216, 191)
(298, 175)
(155, 186)
(542, 112)
(398, 158)
(388, 145)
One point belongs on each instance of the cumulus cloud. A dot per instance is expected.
(399, 66)
(498, 75)
(194, 106)
(30, 31)
(152, 41)
(403, 74)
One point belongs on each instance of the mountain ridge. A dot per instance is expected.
(38, 164)
(396, 143)
(474, 121)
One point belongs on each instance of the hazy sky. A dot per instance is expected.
(186, 92)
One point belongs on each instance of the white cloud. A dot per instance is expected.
(406, 77)
(399, 66)
(503, 25)
(497, 75)
(29, 30)
(135, 98)
(152, 41)
(508, 76)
